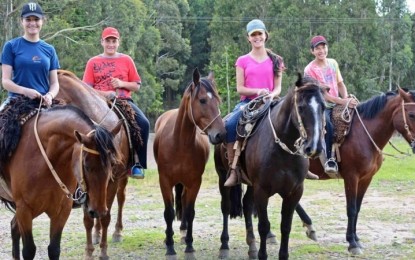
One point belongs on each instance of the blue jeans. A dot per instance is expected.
(144, 124)
(232, 121)
(329, 132)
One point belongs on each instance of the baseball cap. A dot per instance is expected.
(316, 40)
(30, 9)
(110, 32)
(256, 25)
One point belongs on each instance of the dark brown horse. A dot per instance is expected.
(181, 151)
(75, 151)
(78, 94)
(361, 152)
(276, 161)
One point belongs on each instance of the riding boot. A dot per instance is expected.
(232, 176)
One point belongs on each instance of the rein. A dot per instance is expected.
(405, 126)
(193, 118)
(303, 135)
(54, 173)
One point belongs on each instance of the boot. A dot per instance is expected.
(233, 176)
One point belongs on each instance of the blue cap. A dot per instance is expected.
(32, 9)
(256, 25)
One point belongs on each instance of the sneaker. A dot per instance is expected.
(137, 172)
(330, 167)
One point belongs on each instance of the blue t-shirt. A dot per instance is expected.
(31, 62)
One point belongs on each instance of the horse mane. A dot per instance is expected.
(371, 107)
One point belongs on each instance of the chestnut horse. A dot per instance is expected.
(276, 161)
(75, 92)
(181, 150)
(58, 149)
(361, 152)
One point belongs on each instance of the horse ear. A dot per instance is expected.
(404, 94)
(117, 128)
(80, 137)
(211, 76)
(196, 76)
(299, 81)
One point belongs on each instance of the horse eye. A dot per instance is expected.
(411, 116)
(203, 101)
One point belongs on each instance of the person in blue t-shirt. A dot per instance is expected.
(29, 64)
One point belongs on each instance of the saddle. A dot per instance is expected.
(341, 118)
(125, 112)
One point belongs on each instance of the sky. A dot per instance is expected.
(411, 5)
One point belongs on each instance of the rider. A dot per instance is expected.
(327, 72)
(257, 73)
(113, 73)
(29, 64)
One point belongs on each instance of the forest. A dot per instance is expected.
(372, 40)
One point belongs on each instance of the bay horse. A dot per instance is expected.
(75, 92)
(361, 152)
(276, 161)
(43, 180)
(181, 151)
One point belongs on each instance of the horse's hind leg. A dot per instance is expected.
(225, 208)
(15, 238)
(189, 206)
(97, 235)
(310, 232)
(167, 192)
(121, 194)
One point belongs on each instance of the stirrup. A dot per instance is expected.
(137, 171)
(331, 168)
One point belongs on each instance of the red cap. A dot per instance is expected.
(110, 32)
(316, 40)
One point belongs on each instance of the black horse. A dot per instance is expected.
(276, 161)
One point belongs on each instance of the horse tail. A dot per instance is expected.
(9, 205)
(178, 188)
(236, 201)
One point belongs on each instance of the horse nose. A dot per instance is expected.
(217, 138)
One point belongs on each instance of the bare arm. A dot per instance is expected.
(131, 86)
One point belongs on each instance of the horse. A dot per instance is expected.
(275, 159)
(75, 92)
(45, 167)
(361, 154)
(181, 150)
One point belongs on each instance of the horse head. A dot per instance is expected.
(97, 157)
(203, 107)
(309, 115)
(404, 120)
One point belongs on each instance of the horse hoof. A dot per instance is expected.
(355, 251)
(272, 240)
(189, 256)
(223, 254)
(116, 238)
(360, 245)
(171, 257)
(311, 235)
(96, 240)
(253, 254)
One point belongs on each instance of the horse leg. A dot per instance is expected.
(57, 223)
(288, 207)
(121, 194)
(248, 208)
(97, 232)
(189, 206)
(261, 202)
(352, 212)
(363, 186)
(167, 193)
(15, 238)
(225, 205)
(310, 232)
(25, 223)
(88, 224)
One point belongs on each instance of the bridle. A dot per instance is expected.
(83, 193)
(203, 131)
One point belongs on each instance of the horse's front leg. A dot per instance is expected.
(15, 238)
(121, 194)
(261, 203)
(225, 205)
(352, 213)
(189, 206)
(24, 220)
(248, 209)
(57, 223)
(88, 224)
(289, 204)
(307, 222)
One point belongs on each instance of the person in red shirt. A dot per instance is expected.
(114, 74)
